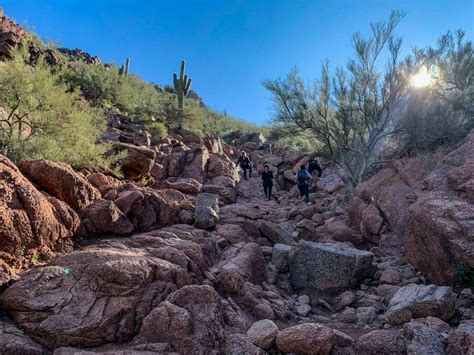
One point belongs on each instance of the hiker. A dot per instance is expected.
(314, 164)
(303, 179)
(267, 178)
(245, 164)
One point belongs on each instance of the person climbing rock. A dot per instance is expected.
(314, 164)
(303, 179)
(246, 164)
(267, 178)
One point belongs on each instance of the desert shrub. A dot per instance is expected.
(443, 112)
(41, 119)
(157, 129)
(350, 112)
(103, 85)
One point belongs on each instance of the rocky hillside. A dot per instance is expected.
(181, 255)
(198, 262)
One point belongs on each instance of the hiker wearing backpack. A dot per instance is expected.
(303, 179)
(267, 178)
(245, 164)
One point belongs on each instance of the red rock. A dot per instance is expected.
(138, 162)
(447, 226)
(60, 181)
(307, 338)
(29, 221)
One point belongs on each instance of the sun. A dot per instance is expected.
(421, 79)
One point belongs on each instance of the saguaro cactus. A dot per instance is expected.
(181, 87)
(124, 68)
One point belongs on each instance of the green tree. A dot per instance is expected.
(350, 113)
(43, 120)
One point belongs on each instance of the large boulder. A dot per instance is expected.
(307, 338)
(195, 163)
(241, 263)
(101, 294)
(328, 267)
(275, 233)
(30, 222)
(103, 218)
(461, 340)
(60, 181)
(149, 209)
(138, 162)
(447, 226)
(185, 185)
(263, 333)
(381, 342)
(207, 211)
(423, 340)
(190, 320)
(13, 341)
(418, 301)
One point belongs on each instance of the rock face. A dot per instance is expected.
(426, 202)
(447, 226)
(207, 211)
(60, 181)
(417, 301)
(102, 294)
(190, 319)
(328, 267)
(30, 223)
(14, 341)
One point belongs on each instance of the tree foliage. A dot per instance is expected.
(442, 112)
(350, 112)
(42, 119)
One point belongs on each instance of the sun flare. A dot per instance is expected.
(422, 78)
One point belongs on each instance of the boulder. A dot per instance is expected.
(307, 338)
(61, 181)
(195, 163)
(103, 218)
(461, 340)
(447, 226)
(207, 211)
(275, 233)
(187, 186)
(280, 256)
(328, 267)
(14, 341)
(237, 344)
(241, 263)
(263, 333)
(149, 209)
(423, 340)
(190, 320)
(104, 183)
(385, 342)
(102, 293)
(30, 222)
(418, 301)
(138, 162)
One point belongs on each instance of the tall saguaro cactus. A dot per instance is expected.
(124, 68)
(181, 87)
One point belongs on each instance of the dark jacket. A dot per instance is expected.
(244, 162)
(267, 177)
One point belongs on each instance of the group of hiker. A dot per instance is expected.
(303, 178)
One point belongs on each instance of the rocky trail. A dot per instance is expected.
(197, 261)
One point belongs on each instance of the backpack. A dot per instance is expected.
(302, 177)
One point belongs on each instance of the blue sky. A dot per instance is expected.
(231, 45)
